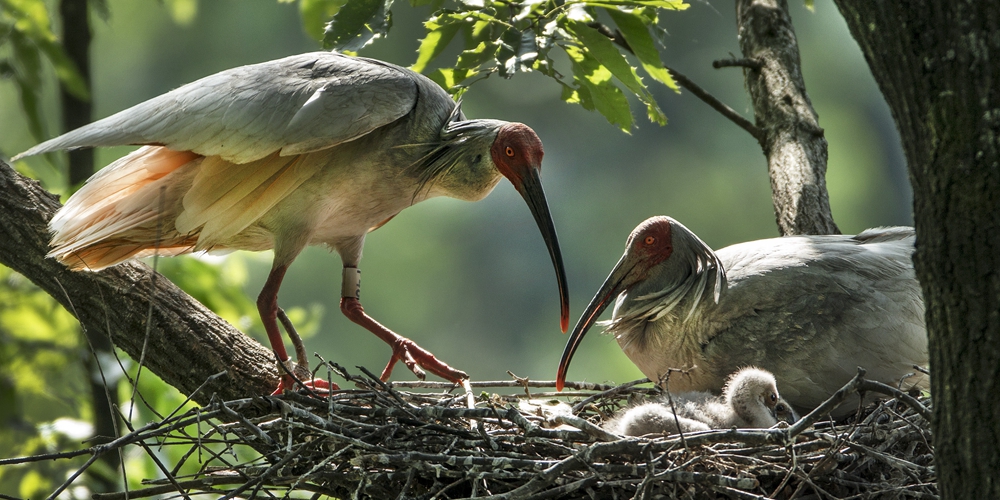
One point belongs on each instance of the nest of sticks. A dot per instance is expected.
(437, 441)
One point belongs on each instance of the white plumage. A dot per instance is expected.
(810, 309)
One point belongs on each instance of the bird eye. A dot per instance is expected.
(774, 397)
(477, 159)
(509, 151)
(650, 240)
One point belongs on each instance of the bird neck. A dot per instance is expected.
(459, 165)
(669, 313)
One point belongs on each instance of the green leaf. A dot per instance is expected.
(31, 23)
(358, 23)
(450, 78)
(595, 89)
(315, 13)
(602, 49)
(517, 52)
(471, 59)
(636, 33)
(437, 39)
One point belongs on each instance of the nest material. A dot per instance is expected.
(380, 441)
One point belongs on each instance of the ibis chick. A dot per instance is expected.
(750, 399)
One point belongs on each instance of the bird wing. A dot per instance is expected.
(812, 309)
(294, 105)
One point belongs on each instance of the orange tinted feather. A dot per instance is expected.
(117, 215)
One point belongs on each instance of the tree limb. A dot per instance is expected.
(794, 143)
(683, 81)
(187, 342)
(936, 63)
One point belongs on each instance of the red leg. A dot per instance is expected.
(267, 306)
(403, 349)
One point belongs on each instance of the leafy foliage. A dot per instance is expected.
(45, 403)
(504, 37)
(26, 39)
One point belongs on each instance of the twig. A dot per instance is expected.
(607, 393)
(734, 62)
(698, 92)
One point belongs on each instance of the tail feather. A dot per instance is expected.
(125, 211)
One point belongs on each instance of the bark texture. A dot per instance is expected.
(187, 343)
(938, 64)
(793, 142)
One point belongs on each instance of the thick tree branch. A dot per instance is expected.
(187, 342)
(794, 143)
(937, 64)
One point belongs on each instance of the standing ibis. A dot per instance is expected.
(809, 309)
(317, 148)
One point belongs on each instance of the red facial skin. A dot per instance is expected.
(516, 149)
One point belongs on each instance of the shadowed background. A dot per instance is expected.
(472, 282)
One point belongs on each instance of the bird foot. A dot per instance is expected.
(302, 377)
(415, 357)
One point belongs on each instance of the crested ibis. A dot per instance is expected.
(810, 309)
(317, 148)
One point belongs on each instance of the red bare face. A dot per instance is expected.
(516, 149)
(651, 241)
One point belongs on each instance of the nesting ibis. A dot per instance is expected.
(317, 148)
(809, 309)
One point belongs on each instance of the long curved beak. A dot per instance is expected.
(530, 187)
(617, 282)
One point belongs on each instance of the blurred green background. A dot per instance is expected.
(472, 282)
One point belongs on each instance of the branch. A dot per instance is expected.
(187, 342)
(794, 143)
(683, 81)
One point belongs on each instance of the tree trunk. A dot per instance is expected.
(938, 65)
(127, 303)
(793, 143)
(76, 112)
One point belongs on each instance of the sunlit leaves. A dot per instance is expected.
(598, 38)
(358, 23)
(316, 13)
(594, 89)
(636, 34)
(602, 49)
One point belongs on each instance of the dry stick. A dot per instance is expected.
(269, 471)
(100, 369)
(149, 312)
(521, 380)
(300, 349)
(828, 405)
(875, 386)
(587, 427)
(610, 392)
(664, 382)
(97, 451)
(753, 64)
(430, 384)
